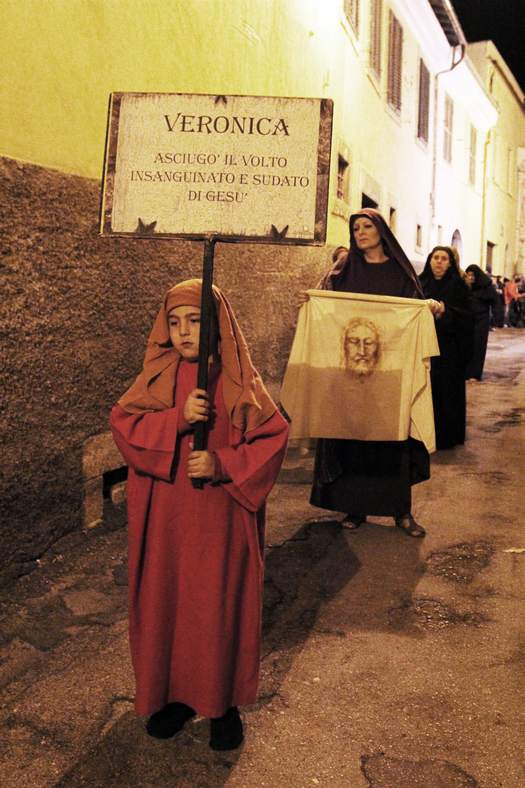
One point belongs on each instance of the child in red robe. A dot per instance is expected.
(196, 555)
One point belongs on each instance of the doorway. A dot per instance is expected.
(490, 256)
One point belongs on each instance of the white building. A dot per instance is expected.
(503, 242)
(412, 122)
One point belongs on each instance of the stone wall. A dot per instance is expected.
(75, 314)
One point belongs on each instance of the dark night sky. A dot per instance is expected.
(502, 21)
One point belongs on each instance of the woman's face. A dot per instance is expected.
(470, 277)
(366, 234)
(439, 263)
(184, 324)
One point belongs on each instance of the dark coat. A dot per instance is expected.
(370, 477)
(483, 298)
(455, 336)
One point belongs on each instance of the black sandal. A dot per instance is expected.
(353, 521)
(410, 526)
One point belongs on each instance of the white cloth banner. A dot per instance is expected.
(359, 369)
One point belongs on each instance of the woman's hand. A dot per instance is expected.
(302, 298)
(436, 307)
(201, 465)
(197, 407)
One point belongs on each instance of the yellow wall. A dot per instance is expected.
(66, 56)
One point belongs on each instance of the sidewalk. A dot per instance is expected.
(388, 661)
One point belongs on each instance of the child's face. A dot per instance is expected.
(184, 324)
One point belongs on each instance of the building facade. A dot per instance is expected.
(503, 242)
(418, 132)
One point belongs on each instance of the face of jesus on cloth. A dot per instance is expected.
(361, 347)
(184, 324)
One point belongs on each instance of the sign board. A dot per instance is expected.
(250, 168)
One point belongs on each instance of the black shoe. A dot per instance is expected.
(226, 731)
(170, 720)
(410, 526)
(353, 521)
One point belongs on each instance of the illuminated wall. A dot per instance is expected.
(503, 214)
(390, 161)
(66, 57)
(460, 174)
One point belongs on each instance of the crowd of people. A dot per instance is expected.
(196, 552)
(509, 309)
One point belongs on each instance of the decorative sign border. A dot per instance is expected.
(274, 235)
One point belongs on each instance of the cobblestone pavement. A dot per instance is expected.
(388, 661)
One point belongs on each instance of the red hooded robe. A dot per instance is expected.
(196, 556)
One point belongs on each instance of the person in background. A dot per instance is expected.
(483, 298)
(457, 260)
(441, 280)
(498, 313)
(507, 298)
(513, 301)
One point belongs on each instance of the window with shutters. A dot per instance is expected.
(472, 155)
(351, 8)
(342, 178)
(395, 56)
(423, 105)
(447, 129)
(375, 36)
(392, 219)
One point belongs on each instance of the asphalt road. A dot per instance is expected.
(388, 661)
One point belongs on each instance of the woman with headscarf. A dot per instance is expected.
(483, 298)
(196, 555)
(441, 281)
(371, 477)
(498, 313)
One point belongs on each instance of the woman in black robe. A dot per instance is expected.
(483, 297)
(498, 313)
(371, 477)
(454, 326)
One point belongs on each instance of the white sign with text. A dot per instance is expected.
(194, 165)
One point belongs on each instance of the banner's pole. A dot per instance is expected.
(200, 432)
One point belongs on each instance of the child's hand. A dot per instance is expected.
(197, 407)
(201, 465)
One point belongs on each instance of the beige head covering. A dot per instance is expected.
(246, 398)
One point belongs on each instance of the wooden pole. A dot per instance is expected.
(200, 432)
